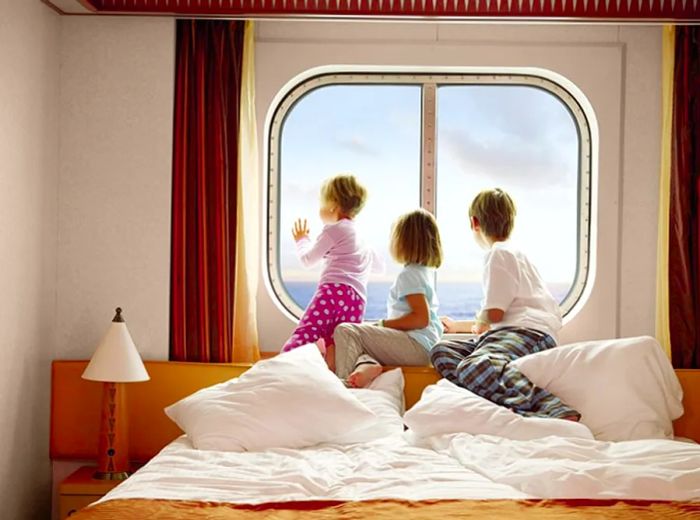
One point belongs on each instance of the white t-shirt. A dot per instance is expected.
(512, 284)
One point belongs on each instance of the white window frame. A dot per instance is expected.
(572, 98)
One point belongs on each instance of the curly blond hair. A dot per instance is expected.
(346, 192)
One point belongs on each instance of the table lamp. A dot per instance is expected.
(116, 361)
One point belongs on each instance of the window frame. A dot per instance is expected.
(430, 80)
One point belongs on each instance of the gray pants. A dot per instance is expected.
(387, 346)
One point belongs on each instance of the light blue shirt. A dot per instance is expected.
(416, 279)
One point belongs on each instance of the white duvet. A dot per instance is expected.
(457, 466)
(556, 467)
(387, 468)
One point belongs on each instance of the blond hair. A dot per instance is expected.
(345, 192)
(415, 239)
(495, 211)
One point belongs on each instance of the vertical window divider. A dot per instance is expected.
(428, 183)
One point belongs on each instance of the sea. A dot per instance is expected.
(458, 300)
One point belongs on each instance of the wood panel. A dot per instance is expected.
(689, 424)
(75, 404)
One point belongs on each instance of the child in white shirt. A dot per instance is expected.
(518, 316)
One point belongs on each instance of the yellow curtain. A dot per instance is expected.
(245, 324)
(663, 333)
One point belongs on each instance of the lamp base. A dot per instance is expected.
(113, 446)
(109, 475)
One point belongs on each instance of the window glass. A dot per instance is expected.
(371, 131)
(524, 134)
(524, 140)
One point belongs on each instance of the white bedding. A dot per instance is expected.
(387, 468)
(457, 466)
(556, 467)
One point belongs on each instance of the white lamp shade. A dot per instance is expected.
(116, 359)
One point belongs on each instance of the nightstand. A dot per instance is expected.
(80, 489)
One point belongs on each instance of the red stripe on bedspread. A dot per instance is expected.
(390, 509)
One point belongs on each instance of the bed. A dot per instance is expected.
(441, 473)
(377, 480)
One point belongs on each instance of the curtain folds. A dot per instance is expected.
(205, 192)
(662, 324)
(684, 221)
(245, 329)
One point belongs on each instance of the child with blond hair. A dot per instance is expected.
(518, 316)
(341, 294)
(412, 325)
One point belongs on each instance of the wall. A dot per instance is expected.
(639, 182)
(114, 217)
(29, 42)
(618, 70)
(116, 107)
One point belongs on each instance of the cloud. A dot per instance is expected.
(527, 113)
(358, 145)
(513, 136)
(509, 160)
(303, 194)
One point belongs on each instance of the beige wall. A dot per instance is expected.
(115, 157)
(617, 69)
(114, 216)
(639, 182)
(29, 41)
(116, 107)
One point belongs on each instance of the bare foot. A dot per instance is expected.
(363, 375)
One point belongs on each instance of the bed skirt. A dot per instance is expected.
(391, 509)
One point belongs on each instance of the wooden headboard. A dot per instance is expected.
(75, 404)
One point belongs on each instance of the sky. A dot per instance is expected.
(521, 139)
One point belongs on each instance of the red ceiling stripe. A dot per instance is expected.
(678, 10)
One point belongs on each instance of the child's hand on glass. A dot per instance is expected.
(300, 230)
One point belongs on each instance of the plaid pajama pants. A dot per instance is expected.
(482, 365)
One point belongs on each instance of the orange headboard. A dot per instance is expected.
(75, 404)
(689, 424)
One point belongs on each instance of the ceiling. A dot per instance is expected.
(554, 10)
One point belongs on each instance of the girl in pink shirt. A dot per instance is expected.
(342, 290)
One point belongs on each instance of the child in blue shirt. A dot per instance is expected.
(518, 316)
(412, 325)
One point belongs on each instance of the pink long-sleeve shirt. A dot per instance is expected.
(348, 260)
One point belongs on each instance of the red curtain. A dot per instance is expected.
(205, 162)
(684, 232)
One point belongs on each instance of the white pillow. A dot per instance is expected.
(289, 401)
(446, 408)
(625, 389)
(384, 396)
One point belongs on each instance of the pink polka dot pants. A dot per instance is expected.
(332, 304)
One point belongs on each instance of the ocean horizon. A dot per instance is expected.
(458, 300)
